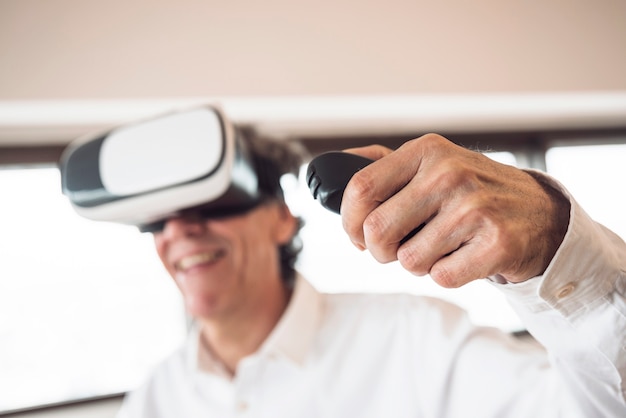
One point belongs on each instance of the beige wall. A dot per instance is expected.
(67, 49)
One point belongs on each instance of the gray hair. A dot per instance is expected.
(274, 158)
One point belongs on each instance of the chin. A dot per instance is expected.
(202, 308)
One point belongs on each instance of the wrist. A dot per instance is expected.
(557, 211)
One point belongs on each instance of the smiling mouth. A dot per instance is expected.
(191, 261)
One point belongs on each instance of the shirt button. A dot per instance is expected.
(565, 291)
(242, 406)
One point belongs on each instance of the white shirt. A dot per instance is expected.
(363, 355)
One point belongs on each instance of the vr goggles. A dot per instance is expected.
(144, 173)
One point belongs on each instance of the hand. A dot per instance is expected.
(480, 217)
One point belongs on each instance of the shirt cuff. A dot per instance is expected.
(584, 269)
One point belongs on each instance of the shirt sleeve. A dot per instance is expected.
(577, 311)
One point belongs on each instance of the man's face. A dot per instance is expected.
(226, 267)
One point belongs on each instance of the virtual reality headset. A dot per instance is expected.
(146, 172)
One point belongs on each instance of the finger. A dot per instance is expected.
(477, 247)
(371, 186)
(443, 233)
(467, 263)
(450, 262)
(395, 221)
(373, 152)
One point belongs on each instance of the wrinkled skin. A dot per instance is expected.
(481, 217)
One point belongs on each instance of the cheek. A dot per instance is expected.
(260, 254)
(159, 245)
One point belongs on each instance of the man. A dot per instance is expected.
(266, 345)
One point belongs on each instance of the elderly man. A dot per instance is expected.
(266, 343)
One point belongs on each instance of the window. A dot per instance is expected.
(85, 309)
(594, 175)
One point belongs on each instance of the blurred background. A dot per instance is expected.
(73, 49)
(86, 310)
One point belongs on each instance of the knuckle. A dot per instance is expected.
(351, 228)
(377, 232)
(478, 209)
(360, 187)
(375, 228)
(432, 140)
(427, 144)
(384, 255)
(444, 277)
(504, 250)
(501, 243)
(450, 175)
(410, 260)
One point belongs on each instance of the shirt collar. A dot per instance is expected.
(291, 337)
(295, 331)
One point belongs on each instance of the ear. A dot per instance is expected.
(286, 224)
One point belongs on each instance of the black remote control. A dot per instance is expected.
(328, 175)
